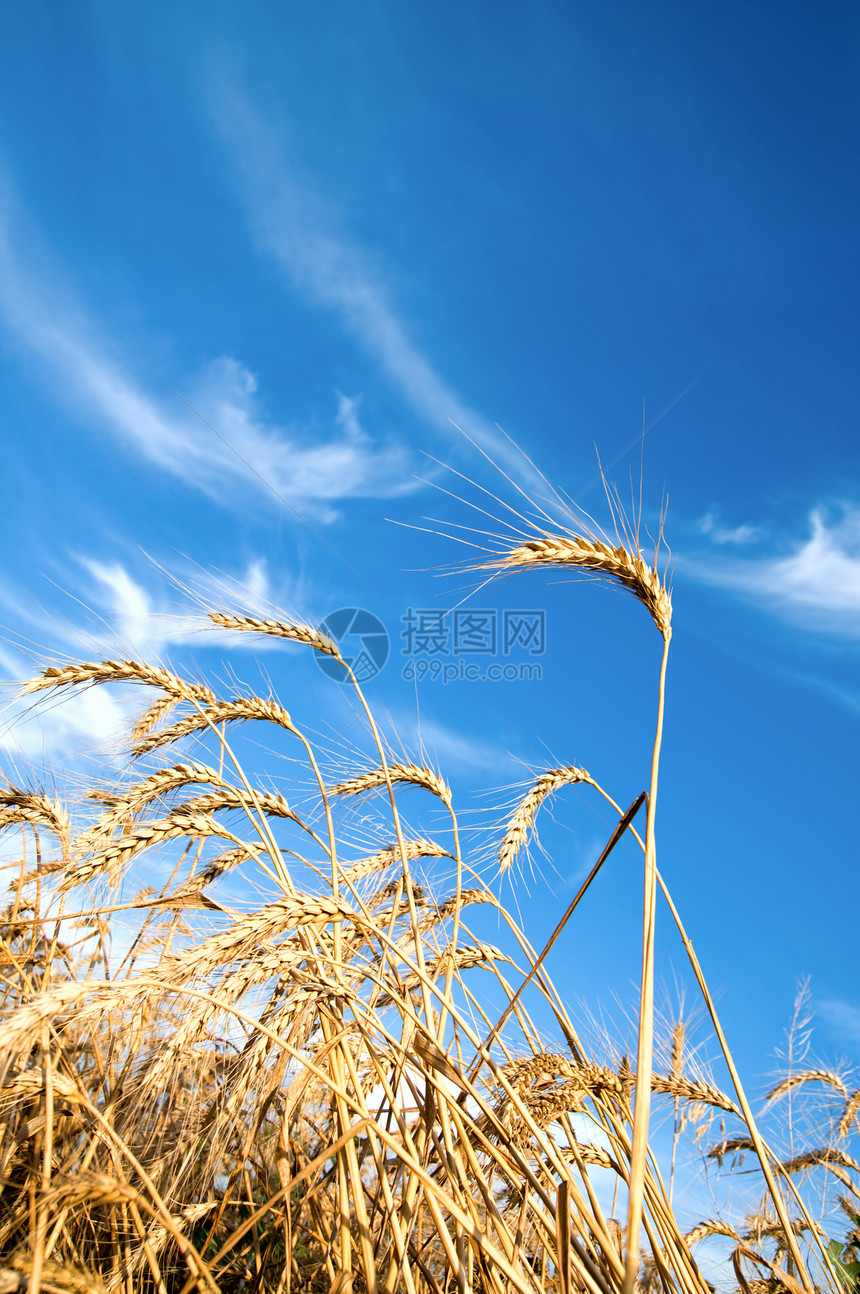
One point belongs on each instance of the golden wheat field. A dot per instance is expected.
(305, 1090)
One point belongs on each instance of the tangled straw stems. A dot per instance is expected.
(630, 570)
(521, 823)
(413, 774)
(279, 629)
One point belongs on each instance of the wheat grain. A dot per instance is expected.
(221, 712)
(151, 716)
(523, 819)
(117, 853)
(593, 556)
(807, 1076)
(279, 629)
(391, 856)
(850, 1113)
(690, 1089)
(35, 808)
(823, 1156)
(118, 671)
(711, 1227)
(409, 773)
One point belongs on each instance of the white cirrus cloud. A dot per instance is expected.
(718, 534)
(329, 269)
(815, 584)
(116, 614)
(308, 466)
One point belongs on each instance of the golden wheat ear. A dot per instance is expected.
(593, 557)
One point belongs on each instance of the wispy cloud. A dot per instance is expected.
(34, 733)
(112, 613)
(328, 268)
(718, 534)
(816, 584)
(841, 1018)
(312, 467)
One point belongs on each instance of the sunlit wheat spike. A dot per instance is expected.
(677, 1057)
(850, 1113)
(690, 1089)
(824, 1155)
(467, 897)
(118, 671)
(413, 774)
(97, 1188)
(591, 1154)
(151, 716)
(807, 1076)
(278, 629)
(221, 712)
(35, 808)
(389, 857)
(155, 832)
(593, 556)
(231, 797)
(521, 823)
(121, 806)
(711, 1227)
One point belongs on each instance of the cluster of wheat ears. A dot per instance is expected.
(309, 1092)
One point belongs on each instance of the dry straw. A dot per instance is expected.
(308, 1094)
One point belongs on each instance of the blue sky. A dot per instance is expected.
(333, 232)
